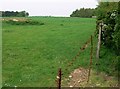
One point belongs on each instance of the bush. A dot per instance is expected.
(111, 33)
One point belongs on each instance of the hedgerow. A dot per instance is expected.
(110, 16)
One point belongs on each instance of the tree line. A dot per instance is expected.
(84, 13)
(14, 14)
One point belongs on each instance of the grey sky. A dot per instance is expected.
(47, 7)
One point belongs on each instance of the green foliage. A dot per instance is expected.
(104, 8)
(108, 12)
(14, 14)
(108, 62)
(107, 34)
(85, 13)
(117, 32)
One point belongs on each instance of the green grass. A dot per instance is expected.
(32, 54)
(100, 80)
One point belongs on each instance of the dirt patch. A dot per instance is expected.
(79, 78)
(14, 19)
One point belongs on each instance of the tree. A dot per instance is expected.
(85, 13)
(14, 14)
(104, 8)
(27, 14)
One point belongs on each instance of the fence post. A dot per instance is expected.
(99, 40)
(91, 55)
(59, 78)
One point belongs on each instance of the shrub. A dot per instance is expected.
(111, 19)
(117, 32)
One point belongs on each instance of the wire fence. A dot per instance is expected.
(70, 63)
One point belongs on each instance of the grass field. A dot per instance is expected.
(32, 54)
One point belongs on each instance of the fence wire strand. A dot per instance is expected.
(81, 49)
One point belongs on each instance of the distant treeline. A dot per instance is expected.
(85, 13)
(14, 14)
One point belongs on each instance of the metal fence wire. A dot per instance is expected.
(70, 63)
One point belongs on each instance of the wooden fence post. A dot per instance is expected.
(99, 40)
(59, 78)
(91, 55)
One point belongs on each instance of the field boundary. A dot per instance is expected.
(59, 76)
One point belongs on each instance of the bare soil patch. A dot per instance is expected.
(79, 77)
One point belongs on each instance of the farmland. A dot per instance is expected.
(32, 54)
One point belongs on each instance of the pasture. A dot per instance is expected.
(32, 54)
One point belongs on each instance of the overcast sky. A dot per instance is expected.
(46, 7)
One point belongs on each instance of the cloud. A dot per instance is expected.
(47, 7)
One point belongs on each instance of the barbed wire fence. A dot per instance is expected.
(70, 63)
